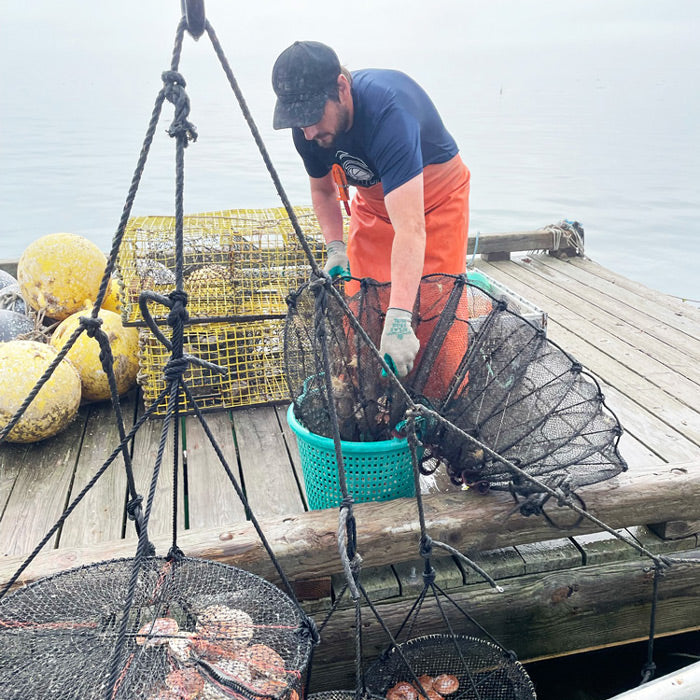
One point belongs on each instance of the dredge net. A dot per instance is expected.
(451, 668)
(196, 629)
(504, 390)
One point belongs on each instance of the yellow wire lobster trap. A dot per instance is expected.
(239, 265)
(239, 262)
(250, 352)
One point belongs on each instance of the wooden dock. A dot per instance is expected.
(564, 591)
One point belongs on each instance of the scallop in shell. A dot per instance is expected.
(157, 632)
(230, 626)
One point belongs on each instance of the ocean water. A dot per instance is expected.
(587, 111)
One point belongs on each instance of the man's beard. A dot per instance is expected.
(327, 140)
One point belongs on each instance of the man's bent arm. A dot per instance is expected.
(326, 207)
(405, 208)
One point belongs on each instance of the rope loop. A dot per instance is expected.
(426, 546)
(133, 507)
(429, 575)
(174, 91)
(309, 630)
(175, 554)
(178, 315)
(175, 367)
(91, 325)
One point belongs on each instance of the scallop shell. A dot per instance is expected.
(445, 684)
(403, 690)
(180, 646)
(157, 632)
(228, 627)
(263, 661)
(187, 683)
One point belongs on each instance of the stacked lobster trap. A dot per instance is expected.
(239, 265)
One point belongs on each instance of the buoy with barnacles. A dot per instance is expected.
(85, 354)
(22, 362)
(59, 273)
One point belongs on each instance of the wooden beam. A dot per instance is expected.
(538, 616)
(511, 242)
(306, 545)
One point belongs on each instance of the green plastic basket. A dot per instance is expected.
(374, 471)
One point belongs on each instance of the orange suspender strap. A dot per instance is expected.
(341, 183)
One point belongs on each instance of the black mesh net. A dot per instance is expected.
(488, 371)
(451, 668)
(196, 629)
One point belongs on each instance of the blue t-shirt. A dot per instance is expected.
(396, 131)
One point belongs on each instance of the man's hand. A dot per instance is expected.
(399, 345)
(337, 263)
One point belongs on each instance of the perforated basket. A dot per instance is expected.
(195, 628)
(375, 471)
(480, 669)
(250, 352)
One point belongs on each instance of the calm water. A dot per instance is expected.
(586, 111)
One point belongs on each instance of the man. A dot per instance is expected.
(410, 214)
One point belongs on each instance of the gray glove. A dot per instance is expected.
(399, 345)
(337, 263)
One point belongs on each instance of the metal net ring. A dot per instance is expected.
(451, 667)
(196, 629)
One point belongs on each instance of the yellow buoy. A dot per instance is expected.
(85, 354)
(22, 362)
(59, 273)
(111, 301)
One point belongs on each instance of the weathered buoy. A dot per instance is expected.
(11, 299)
(60, 272)
(22, 362)
(85, 354)
(111, 301)
(6, 278)
(13, 324)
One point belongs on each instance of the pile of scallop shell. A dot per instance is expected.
(217, 660)
(430, 687)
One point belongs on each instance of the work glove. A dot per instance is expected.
(337, 263)
(399, 345)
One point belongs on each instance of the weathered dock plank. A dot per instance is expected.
(44, 479)
(146, 445)
(567, 300)
(270, 483)
(100, 514)
(212, 499)
(631, 300)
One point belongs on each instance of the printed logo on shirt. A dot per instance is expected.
(356, 170)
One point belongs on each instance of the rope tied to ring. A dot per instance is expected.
(174, 91)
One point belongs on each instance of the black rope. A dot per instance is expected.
(649, 668)
(263, 150)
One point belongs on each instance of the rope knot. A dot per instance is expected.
(178, 315)
(133, 507)
(426, 546)
(91, 325)
(175, 554)
(532, 505)
(174, 368)
(309, 630)
(174, 91)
